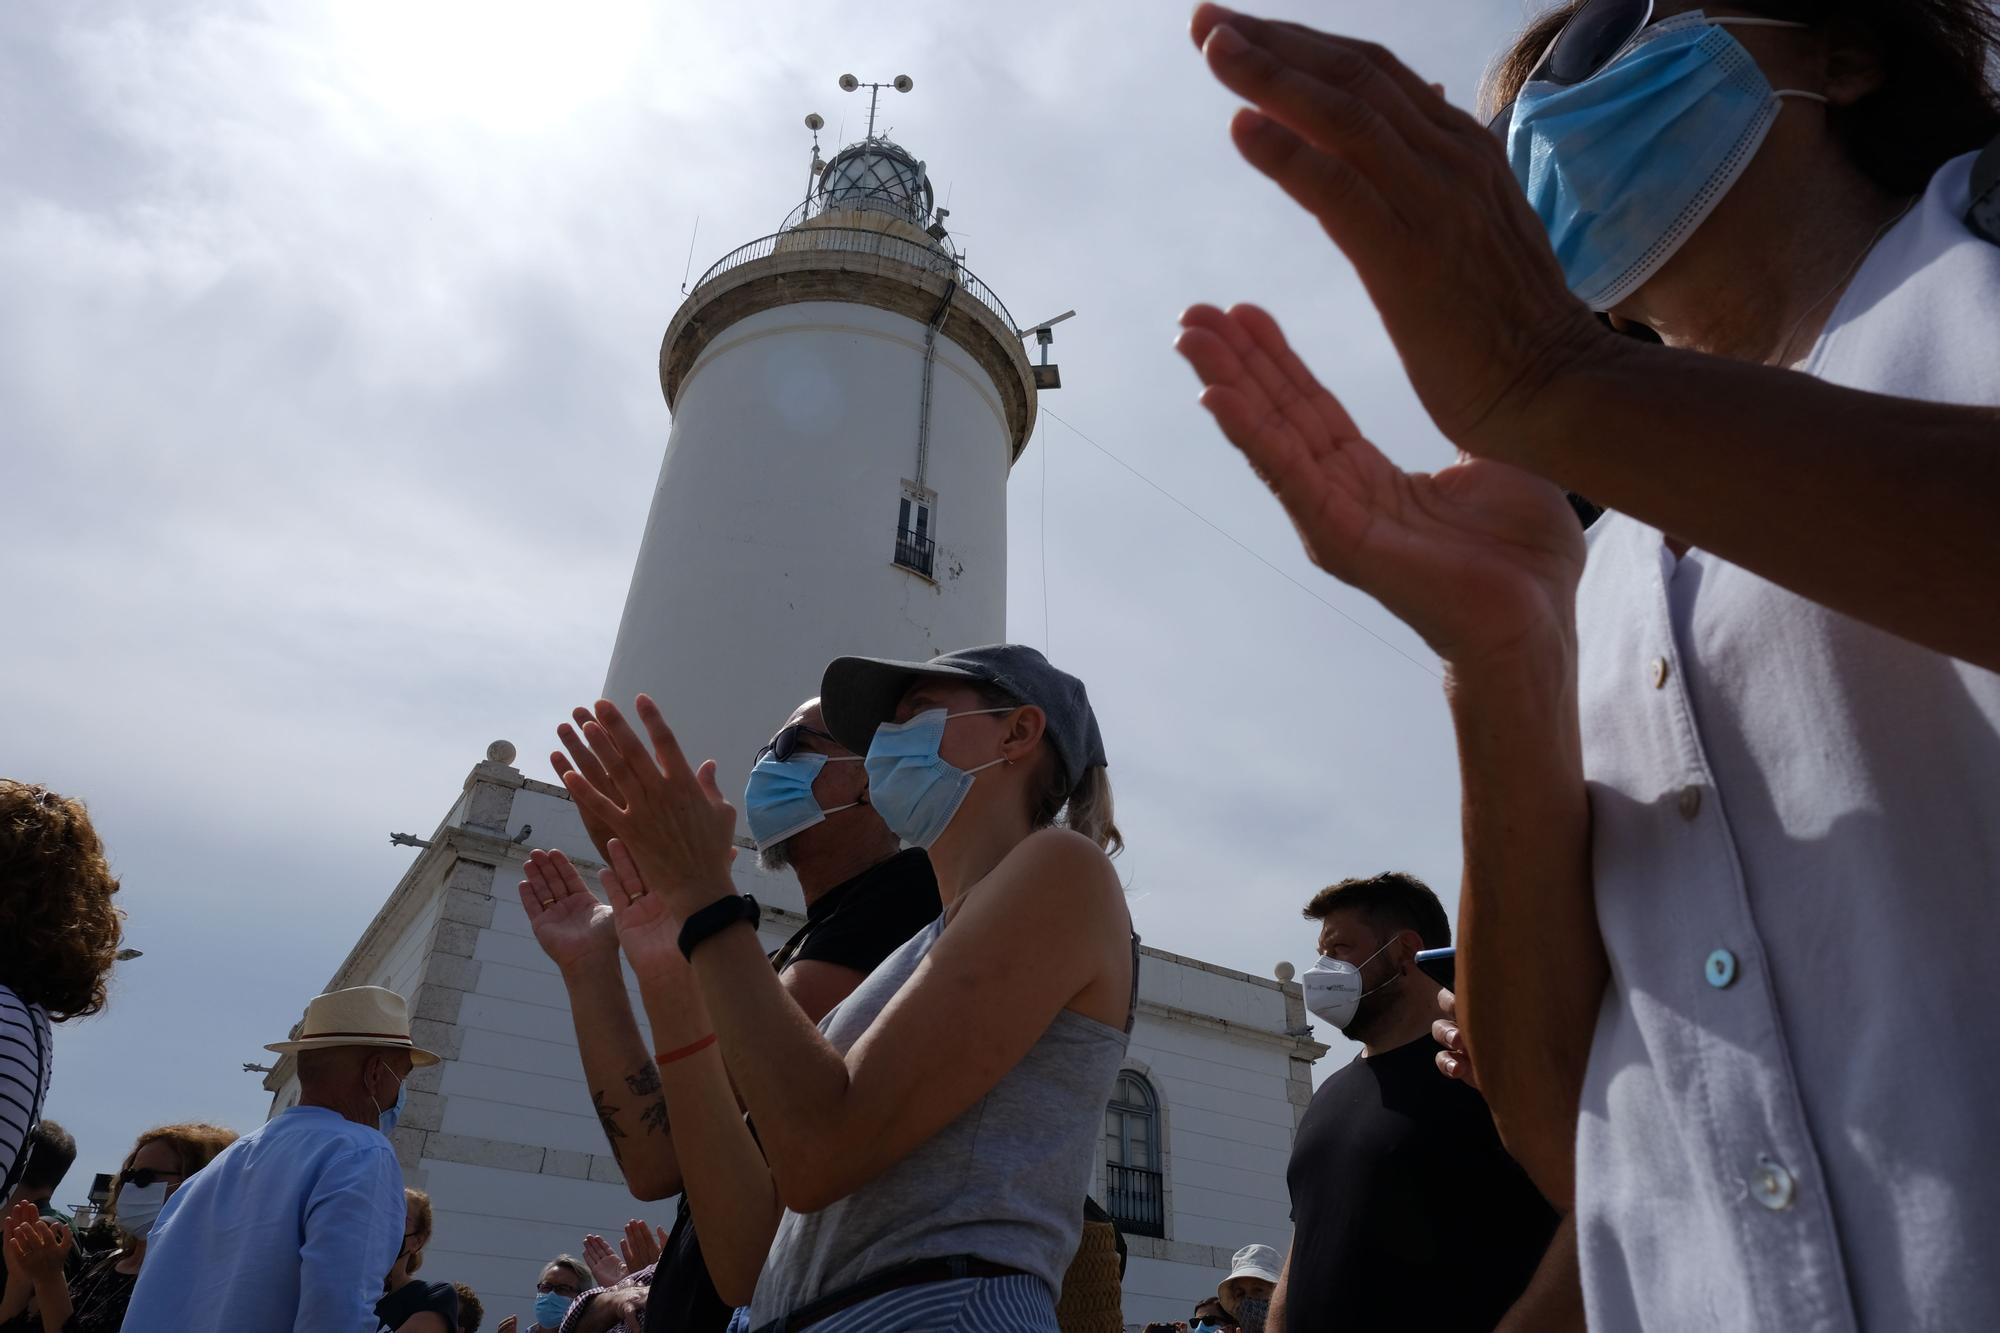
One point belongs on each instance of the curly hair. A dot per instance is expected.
(470, 1311)
(59, 932)
(195, 1143)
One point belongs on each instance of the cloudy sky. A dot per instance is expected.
(329, 418)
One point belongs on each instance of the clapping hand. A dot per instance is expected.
(38, 1248)
(1455, 1060)
(602, 1261)
(572, 926)
(673, 822)
(642, 1245)
(1476, 558)
(1420, 198)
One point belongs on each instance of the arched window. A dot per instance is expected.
(1133, 1190)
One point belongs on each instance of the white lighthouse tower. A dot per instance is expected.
(847, 400)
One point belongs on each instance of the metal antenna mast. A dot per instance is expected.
(901, 83)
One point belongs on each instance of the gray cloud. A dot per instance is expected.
(329, 419)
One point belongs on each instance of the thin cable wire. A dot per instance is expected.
(1043, 440)
(1242, 547)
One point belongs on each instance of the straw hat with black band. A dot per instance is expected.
(357, 1016)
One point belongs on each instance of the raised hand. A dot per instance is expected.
(38, 1249)
(675, 823)
(572, 926)
(642, 1245)
(1477, 557)
(511, 1324)
(1420, 198)
(1455, 1060)
(649, 930)
(602, 1260)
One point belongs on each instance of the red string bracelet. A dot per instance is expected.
(683, 1052)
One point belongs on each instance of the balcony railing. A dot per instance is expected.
(859, 240)
(1134, 1197)
(914, 551)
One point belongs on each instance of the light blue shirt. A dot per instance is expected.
(1788, 1119)
(294, 1226)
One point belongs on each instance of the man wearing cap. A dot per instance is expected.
(294, 1224)
(1246, 1293)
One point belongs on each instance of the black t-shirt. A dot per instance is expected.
(857, 923)
(414, 1298)
(1406, 1211)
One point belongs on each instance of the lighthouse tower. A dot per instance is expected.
(847, 400)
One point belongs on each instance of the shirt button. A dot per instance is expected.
(1690, 802)
(1772, 1186)
(1659, 673)
(1720, 968)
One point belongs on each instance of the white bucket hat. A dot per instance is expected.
(1252, 1261)
(358, 1016)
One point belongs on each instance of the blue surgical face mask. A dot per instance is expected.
(1622, 167)
(385, 1120)
(910, 785)
(550, 1307)
(778, 800)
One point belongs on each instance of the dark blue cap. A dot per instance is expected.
(859, 694)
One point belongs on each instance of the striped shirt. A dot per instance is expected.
(26, 1057)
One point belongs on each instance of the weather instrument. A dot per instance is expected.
(1046, 375)
(902, 83)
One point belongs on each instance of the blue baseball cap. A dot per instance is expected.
(859, 694)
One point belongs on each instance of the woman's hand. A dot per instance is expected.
(641, 1246)
(572, 926)
(38, 1249)
(648, 929)
(1479, 558)
(673, 822)
(602, 1261)
(1420, 198)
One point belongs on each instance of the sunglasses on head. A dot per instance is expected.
(786, 743)
(1593, 37)
(146, 1177)
(1588, 40)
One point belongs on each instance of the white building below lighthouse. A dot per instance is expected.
(847, 400)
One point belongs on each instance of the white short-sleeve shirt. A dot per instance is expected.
(1791, 1118)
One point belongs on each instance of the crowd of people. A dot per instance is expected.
(1732, 274)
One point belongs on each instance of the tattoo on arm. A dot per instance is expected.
(645, 1082)
(607, 1116)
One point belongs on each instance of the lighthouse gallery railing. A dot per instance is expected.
(859, 241)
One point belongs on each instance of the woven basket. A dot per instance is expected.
(1091, 1300)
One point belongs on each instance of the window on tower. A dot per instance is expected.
(915, 551)
(1134, 1190)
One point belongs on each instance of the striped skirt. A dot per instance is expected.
(1017, 1304)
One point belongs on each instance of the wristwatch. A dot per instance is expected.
(717, 917)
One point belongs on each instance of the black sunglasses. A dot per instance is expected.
(146, 1177)
(558, 1289)
(1588, 40)
(786, 743)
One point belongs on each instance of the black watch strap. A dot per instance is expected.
(717, 917)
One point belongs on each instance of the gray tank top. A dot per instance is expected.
(1003, 1182)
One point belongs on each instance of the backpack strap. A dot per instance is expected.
(1984, 215)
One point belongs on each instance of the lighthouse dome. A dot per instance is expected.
(875, 176)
